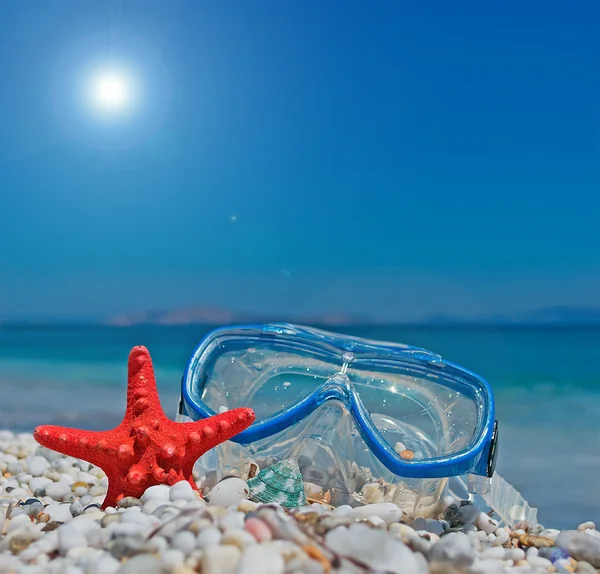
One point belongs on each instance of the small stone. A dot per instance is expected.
(210, 536)
(268, 556)
(494, 552)
(553, 554)
(76, 508)
(220, 560)
(229, 492)
(581, 546)
(376, 522)
(37, 465)
(428, 525)
(539, 562)
(158, 491)
(110, 519)
(146, 563)
(58, 491)
(129, 501)
(97, 490)
(514, 554)
(387, 511)
(259, 529)
(584, 567)
(58, 512)
(238, 537)
(184, 541)
(171, 558)
(454, 547)
(107, 564)
(69, 538)
(586, 526)
(485, 523)
(549, 533)
(537, 541)
(458, 515)
(247, 506)
(373, 547)
(232, 520)
(182, 491)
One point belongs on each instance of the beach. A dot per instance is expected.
(546, 388)
(51, 521)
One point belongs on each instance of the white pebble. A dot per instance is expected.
(58, 491)
(69, 538)
(229, 492)
(184, 541)
(485, 523)
(232, 520)
(267, 555)
(238, 537)
(107, 564)
(210, 536)
(387, 511)
(342, 510)
(18, 522)
(376, 521)
(220, 560)
(158, 491)
(38, 483)
(539, 562)
(586, 526)
(172, 558)
(550, 533)
(154, 504)
(37, 465)
(97, 490)
(182, 491)
(86, 477)
(502, 537)
(18, 493)
(58, 512)
(495, 552)
(514, 554)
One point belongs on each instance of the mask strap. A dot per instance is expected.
(498, 495)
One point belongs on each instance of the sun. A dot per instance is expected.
(111, 91)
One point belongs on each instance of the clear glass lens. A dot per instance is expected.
(265, 378)
(418, 417)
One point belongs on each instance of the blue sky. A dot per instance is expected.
(398, 159)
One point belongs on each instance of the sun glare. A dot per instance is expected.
(111, 92)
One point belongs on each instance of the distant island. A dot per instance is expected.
(206, 315)
(215, 316)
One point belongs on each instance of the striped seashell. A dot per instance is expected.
(281, 483)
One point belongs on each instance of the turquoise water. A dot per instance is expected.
(546, 382)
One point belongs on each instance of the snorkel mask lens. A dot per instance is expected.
(367, 421)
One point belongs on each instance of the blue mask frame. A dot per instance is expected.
(479, 458)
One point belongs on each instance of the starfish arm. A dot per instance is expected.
(208, 433)
(93, 446)
(142, 393)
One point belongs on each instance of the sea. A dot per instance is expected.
(546, 381)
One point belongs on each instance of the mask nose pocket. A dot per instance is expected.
(323, 450)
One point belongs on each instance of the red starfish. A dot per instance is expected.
(147, 448)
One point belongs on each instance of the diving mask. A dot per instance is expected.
(367, 421)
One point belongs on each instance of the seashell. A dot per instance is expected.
(281, 483)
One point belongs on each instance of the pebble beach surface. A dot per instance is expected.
(51, 521)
